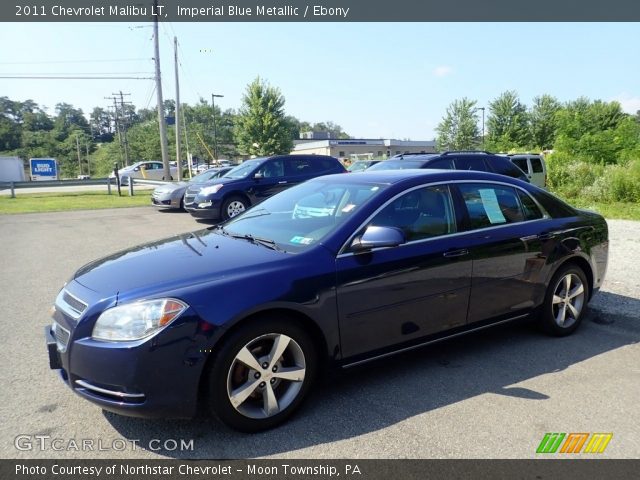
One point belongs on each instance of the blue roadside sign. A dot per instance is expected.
(43, 169)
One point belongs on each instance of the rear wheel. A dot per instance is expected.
(262, 374)
(566, 301)
(233, 206)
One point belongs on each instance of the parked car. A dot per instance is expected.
(533, 165)
(361, 165)
(372, 264)
(454, 160)
(171, 195)
(253, 181)
(148, 170)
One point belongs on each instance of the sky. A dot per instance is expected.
(376, 80)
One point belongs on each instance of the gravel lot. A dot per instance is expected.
(489, 395)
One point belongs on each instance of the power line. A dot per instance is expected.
(25, 77)
(76, 61)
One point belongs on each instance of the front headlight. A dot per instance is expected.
(210, 190)
(135, 321)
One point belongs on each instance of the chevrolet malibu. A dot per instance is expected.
(341, 270)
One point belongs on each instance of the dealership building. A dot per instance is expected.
(374, 148)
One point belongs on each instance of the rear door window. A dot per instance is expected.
(489, 205)
(470, 163)
(444, 163)
(521, 163)
(536, 165)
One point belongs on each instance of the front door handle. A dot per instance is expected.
(546, 236)
(456, 253)
(282, 182)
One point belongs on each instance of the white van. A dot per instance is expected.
(533, 165)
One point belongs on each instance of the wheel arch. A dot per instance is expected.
(584, 265)
(316, 335)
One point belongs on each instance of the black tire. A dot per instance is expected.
(170, 178)
(228, 374)
(558, 316)
(233, 206)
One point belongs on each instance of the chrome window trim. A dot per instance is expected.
(68, 309)
(343, 252)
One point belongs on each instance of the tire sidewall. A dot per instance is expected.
(548, 321)
(218, 399)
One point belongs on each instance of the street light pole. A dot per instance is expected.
(482, 108)
(215, 132)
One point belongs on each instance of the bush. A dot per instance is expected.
(575, 179)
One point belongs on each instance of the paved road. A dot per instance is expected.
(493, 394)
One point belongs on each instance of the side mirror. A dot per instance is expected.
(137, 169)
(378, 237)
(258, 176)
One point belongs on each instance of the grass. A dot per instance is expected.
(57, 202)
(617, 210)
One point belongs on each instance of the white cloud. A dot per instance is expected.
(629, 103)
(442, 71)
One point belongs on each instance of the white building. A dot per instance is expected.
(376, 148)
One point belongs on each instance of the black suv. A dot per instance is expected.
(456, 160)
(253, 181)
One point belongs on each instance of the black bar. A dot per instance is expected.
(321, 11)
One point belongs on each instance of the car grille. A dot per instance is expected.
(190, 195)
(61, 335)
(72, 306)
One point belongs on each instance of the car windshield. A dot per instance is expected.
(396, 165)
(304, 215)
(358, 166)
(204, 176)
(244, 169)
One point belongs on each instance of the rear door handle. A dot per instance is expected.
(456, 253)
(282, 182)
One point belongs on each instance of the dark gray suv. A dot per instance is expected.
(454, 160)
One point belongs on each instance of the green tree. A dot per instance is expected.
(262, 127)
(544, 123)
(507, 123)
(458, 130)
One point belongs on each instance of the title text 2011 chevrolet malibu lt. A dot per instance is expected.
(333, 272)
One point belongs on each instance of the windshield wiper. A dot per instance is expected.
(265, 242)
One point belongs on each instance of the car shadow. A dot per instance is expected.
(371, 397)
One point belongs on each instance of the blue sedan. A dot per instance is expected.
(334, 272)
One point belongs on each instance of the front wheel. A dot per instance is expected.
(262, 374)
(565, 302)
(233, 206)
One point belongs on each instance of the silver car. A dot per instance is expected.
(171, 195)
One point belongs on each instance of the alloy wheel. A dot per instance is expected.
(568, 300)
(266, 376)
(234, 208)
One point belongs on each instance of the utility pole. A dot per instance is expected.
(215, 132)
(163, 126)
(116, 121)
(79, 161)
(88, 164)
(125, 125)
(178, 153)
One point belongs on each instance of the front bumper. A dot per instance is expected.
(151, 379)
(205, 208)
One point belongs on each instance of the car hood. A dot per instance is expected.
(172, 187)
(175, 262)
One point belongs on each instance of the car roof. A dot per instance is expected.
(391, 177)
